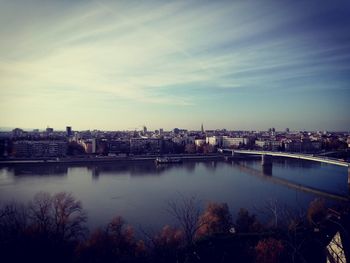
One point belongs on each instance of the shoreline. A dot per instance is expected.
(84, 160)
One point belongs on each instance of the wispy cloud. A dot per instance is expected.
(160, 52)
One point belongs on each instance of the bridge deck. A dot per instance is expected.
(309, 157)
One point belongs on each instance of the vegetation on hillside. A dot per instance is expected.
(51, 228)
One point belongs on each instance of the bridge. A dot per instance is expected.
(266, 157)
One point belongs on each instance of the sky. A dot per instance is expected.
(119, 65)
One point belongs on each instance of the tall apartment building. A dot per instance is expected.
(145, 145)
(39, 148)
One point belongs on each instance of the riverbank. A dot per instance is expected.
(114, 159)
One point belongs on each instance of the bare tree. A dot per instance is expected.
(273, 207)
(290, 222)
(60, 215)
(281, 215)
(187, 212)
(40, 210)
(13, 219)
(68, 216)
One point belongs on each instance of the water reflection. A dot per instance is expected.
(153, 170)
(189, 166)
(133, 169)
(59, 170)
(95, 172)
(295, 163)
(144, 168)
(267, 170)
(266, 174)
(211, 166)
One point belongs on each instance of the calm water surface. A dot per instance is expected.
(140, 191)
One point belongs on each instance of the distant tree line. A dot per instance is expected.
(51, 228)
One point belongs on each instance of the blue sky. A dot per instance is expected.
(122, 64)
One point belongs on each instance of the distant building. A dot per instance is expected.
(17, 132)
(292, 146)
(183, 139)
(275, 145)
(179, 140)
(89, 145)
(168, 146)
(310, 146)
(3, 147)
(21, 149)
(189, 139)
(93, 145)
(233, 142)
(49, 131)
(69, 131)
(214, 140)
(39, 148)
(57, 148)
(202, 128)
(119, 146)
(199, 142)
(145, 145)
(262, 144)
(272, 131)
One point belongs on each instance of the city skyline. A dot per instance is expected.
(118, 65)
(147, 129)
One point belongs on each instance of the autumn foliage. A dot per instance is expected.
(114, 243)
(269, 250)
(215, 219)
(316, 211)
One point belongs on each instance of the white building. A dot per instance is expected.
(93, 145)
(199, 142)
(262, 144)
(214, 140)
(228, 142)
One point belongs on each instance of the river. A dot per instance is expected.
(140, 191)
